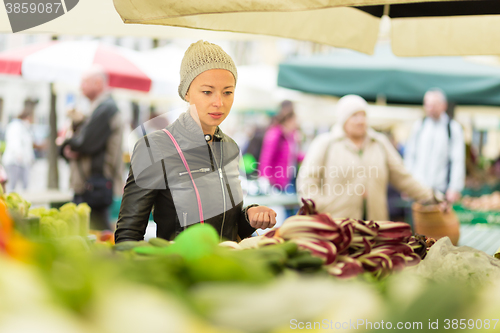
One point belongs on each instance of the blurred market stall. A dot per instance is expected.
(398, 80)
(422, 28)
(65, 62)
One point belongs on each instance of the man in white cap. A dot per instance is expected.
(435, 152)
(347, 171)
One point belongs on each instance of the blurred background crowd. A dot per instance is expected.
(276, 117)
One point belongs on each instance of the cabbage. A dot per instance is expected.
(17, 204)
(446, 262)
(51, 227)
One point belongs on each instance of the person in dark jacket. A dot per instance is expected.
(188, 172)
(96, 146)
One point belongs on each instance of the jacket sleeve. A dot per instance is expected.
(411, 147)
(144, 182)
(94, 134)
(457, 158)
(400, 178)
(136, 206)
(244, 228)
(311, 177)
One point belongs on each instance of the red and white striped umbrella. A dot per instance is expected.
(65, 62)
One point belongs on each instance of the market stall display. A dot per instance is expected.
(69, 220)
(480, 222)
(350, 247)
(274, 283)
(482, 209)
(486, 202)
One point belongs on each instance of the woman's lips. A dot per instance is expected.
(216, 115)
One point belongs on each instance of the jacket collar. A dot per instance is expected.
(443, 119)
(101, 98)
(218, 133)
(194, 131)
(337, 133)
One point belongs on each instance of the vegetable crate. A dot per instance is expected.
(467, 216)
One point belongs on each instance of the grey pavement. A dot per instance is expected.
(39, 175)
(38, 191)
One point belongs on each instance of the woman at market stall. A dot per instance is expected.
(188, 172)
(346, 171)
(280, 150)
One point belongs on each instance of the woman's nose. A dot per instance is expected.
(218, 100)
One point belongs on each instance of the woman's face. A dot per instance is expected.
(290, 124)
(356, 125)
(212, 93)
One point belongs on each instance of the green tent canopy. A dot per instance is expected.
(400, 80)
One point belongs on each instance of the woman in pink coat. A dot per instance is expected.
(280, 150)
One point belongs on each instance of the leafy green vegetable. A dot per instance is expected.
(17, 204)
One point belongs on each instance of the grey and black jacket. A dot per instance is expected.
(99, 144)
(159, 181)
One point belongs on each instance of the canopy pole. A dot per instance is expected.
(386, 9)
(53, 181)
(53, 176)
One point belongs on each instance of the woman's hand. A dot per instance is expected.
(261, 217)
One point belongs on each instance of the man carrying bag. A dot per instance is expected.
(95, 151)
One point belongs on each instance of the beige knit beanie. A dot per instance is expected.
(349, 105)
(200, 57)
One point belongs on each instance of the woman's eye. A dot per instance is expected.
(228, 93)
(207, 92)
